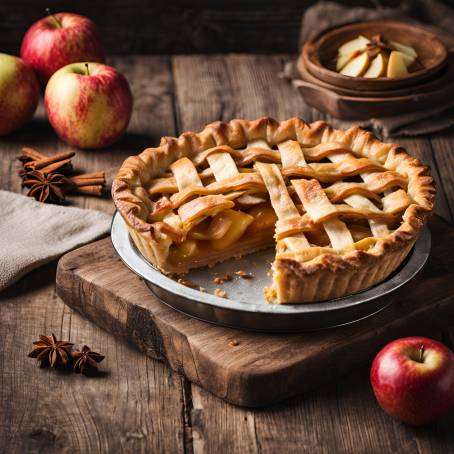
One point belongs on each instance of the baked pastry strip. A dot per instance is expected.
(281, 202)
(320, 209)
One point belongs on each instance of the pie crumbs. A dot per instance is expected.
(220, 293)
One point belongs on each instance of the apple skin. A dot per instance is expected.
(415, 392)
(47, 47)
(19, 93)
(88, 111)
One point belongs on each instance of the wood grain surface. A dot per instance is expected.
(262, 369)
(140, 405)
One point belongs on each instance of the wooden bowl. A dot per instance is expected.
(345, 104)
(444, 77)
(319, 54)
(363, 108)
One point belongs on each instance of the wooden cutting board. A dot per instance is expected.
(244, 368)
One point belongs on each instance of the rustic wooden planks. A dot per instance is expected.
(53, 412)
(424, 149)
(137, 398)
(262, 369)
(443, 155)
(140, 405)
(232, 86)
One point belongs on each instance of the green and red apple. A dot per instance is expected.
(58, 40)
(413, 379)
(88, 104)
(19, 93)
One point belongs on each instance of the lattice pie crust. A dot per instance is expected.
(343, 207)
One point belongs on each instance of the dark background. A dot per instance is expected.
(166, 27)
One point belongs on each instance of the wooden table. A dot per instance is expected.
(140, 405)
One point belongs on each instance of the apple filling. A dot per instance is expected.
(231, 229)
(234, 232)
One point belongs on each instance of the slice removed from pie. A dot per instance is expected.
(342, 208)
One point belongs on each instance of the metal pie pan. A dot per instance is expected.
(244, 306)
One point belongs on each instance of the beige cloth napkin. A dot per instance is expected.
(435, 14)
(34, 233)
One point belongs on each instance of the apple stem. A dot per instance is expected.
(86, 69)
(59, 24)
(421, 353)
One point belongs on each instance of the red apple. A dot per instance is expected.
(19, 93)
(88, 104)
(58, 40)
(413, 379)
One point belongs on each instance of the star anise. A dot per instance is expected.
(49, 177)
(86, 360)
(376, 45)
(45, 187)
(49, 351)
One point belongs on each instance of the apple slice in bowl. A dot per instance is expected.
(357, 67)
(396, 65)
(377, 67)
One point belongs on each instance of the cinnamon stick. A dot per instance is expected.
(57, 166)
(44, 162)
(30, 154)
(89, 179)
(87, 182)
(88, 190)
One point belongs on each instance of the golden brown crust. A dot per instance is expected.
(153, 237)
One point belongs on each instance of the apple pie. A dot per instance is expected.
(342, 208)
